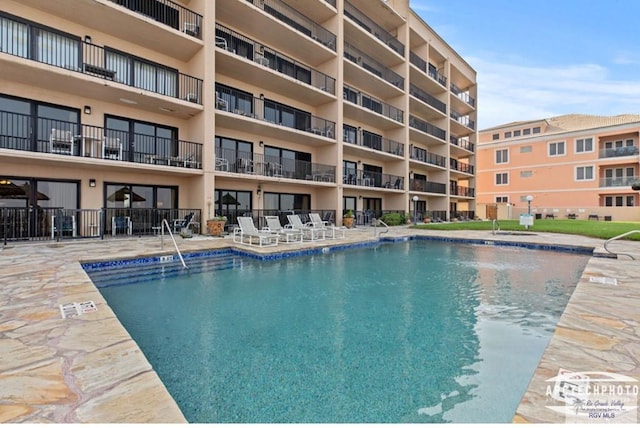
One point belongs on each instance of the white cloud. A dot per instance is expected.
(510, 92)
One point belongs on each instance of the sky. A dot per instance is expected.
(537, 59)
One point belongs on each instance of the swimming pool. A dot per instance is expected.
(419, 331)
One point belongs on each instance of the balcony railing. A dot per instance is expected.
(456, 190)
(463, 95)
(167, 13)
(427, 68)
(372, 27)
(375, 142)
(86, 141)
(247, 48)
(462, 142)
(428, 98)
(618, 181)
(419, 185)
(371, 103)
(431, 158)
(294, 19)
(244, 104)
(86, 58)
(239, 162)
(371, 65)
(372, 179)
(464, 120)
(461, 166)
(427, 128)
(618, 152)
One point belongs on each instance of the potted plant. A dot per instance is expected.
(215, 225)
(347, 219)
(426, 217)
(635, 185)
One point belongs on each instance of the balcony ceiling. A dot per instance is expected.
(460, 106)
(422, 139)
(368, 82)
(424, 81)
(424, 110)
(319, 11)
(370, 44)
(368, 153)
(253, 22)
(15, 69)
(381, 13)
(245, 70)
(118, 21)
(372, 119)
(460, 130)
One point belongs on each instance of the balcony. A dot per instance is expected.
(464, 120)
(618, 152)
(68, 53)
(257, 164)
(372, 179)
(463, 143)
(428, 69)
(419, 185)
(86, 142)
(244, 47)
(168, 13)
(463, 95)
(371, 103)
(438, 109)
(375, 142)
(363, 62)
(245, 105)
(618, 181)
(455, 190)
(370, 26)
(422, 155)
(456, 165)
(427, 128)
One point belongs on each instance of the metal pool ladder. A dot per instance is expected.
(175, 245)
(495, 226)
(376, 222)
(631, 232)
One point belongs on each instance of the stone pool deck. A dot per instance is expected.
(88, 369)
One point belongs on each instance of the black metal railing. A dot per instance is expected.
(372, 179)
(464, 95)
(463, 119)
(229, 160)
(427, 68)
(461, 166)
(420, 185)
(168, 13)
(247, 48)
(423, 155)
(364, 61)
(462, 142)
(244, 104)
(428, 128)
(375, 142)
(456, 190)
(372, 27)
(371, 103)
(462, 215)
(428, 98)
(294, 19)
(71, 139)
(618, 152)
(71, 53)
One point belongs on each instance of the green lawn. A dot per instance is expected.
(594, 229)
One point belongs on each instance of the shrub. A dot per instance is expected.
(394, 219)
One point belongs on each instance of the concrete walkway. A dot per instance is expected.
(88, 369)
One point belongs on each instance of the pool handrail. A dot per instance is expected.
(165, 223)
(375, 227)
(622, 235)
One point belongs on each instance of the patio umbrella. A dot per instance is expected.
(125, 194)
(9, 190)
(228, 199)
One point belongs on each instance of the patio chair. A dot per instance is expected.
(63, 223)
(121, 223)
(329, 228)
(61, 142)
(179, 224)
(289, 235)
(246, 233)
(309, 231)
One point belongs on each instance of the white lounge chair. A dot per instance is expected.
(310, 232)
(332, 231)
(246, 233)
(286, 234)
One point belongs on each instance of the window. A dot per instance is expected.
(371, 140)
(502, 199)
(526, 149)
(286, 202)
(232, 203)
(502, 178)
(507, 134)
(526, 174)
(556, 149)
(502, 156)
(516, 133)
(620, 201)
(349, 134)
(141, 73)
(146, 138)
(294, 164)
(526, 131)
(536, 130)
(584, 173)
(495, 136)
(584, 145)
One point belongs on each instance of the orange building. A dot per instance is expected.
(573, 166)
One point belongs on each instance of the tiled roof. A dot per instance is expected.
(573, 122)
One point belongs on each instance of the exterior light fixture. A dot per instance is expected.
(92, 182)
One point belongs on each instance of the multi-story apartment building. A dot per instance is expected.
(573, 166)
(139, 110)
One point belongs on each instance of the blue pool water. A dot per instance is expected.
(420, 331)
